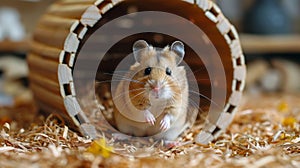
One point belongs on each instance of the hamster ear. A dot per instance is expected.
(178, 48)
(137, 46)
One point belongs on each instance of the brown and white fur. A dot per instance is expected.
(162, 88)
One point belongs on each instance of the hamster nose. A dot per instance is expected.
(156, 89)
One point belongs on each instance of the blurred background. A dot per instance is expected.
(269, 32)
(270, 37)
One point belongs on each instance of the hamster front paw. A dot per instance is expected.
(149, 117)
(165, 123)
(172, 144)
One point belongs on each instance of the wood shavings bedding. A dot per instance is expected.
(259, 136)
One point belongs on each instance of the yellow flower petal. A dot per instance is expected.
(100, 147)
(289, 121)
(283, 107)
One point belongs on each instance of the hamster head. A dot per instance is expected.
(158, 73)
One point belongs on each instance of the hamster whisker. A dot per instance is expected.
(193, 103)
(106, 81)
(203, 79)
(177, 93)
(119, 80)
(128, 79)
(205, 97)
(112, 74)
(173, 85)
(130, 100)
(137, 94)
(173, 100)
(165, 79)
(120, 76)
(126, 92)
(179, 81)
(131, 80)
(116, 75)
(151, 83)
(125, 71)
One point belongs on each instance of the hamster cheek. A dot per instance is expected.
(148, 89)
(166, 92)
(169, 89)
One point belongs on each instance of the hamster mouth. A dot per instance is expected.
(161, 94)
(159, 91)
(155, 94)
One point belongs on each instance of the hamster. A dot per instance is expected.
(154, 102)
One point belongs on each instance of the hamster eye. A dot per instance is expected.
(147, 71)
(168, 71)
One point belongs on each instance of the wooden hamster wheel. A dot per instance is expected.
(66, 26)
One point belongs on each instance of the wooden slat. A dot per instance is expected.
(45, 51)
(270, 43)
(104, 7)
(42, 66)
(223, 25)
(240, 72)
(89, 130)
(72, 2)
(64, 74)
(58, 23)
(91, 16)
(204, 137)
(236, 49)
(235, 98)
(114, 2)
(205, 5)
(224, 120)
(14, 46)
(48, 97)
(71, 43)
(68, 11)
(45, 82)
(72, 105)
(51, 37)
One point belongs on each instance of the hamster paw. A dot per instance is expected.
(172, 144)
(149, 117)
(165, 123)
